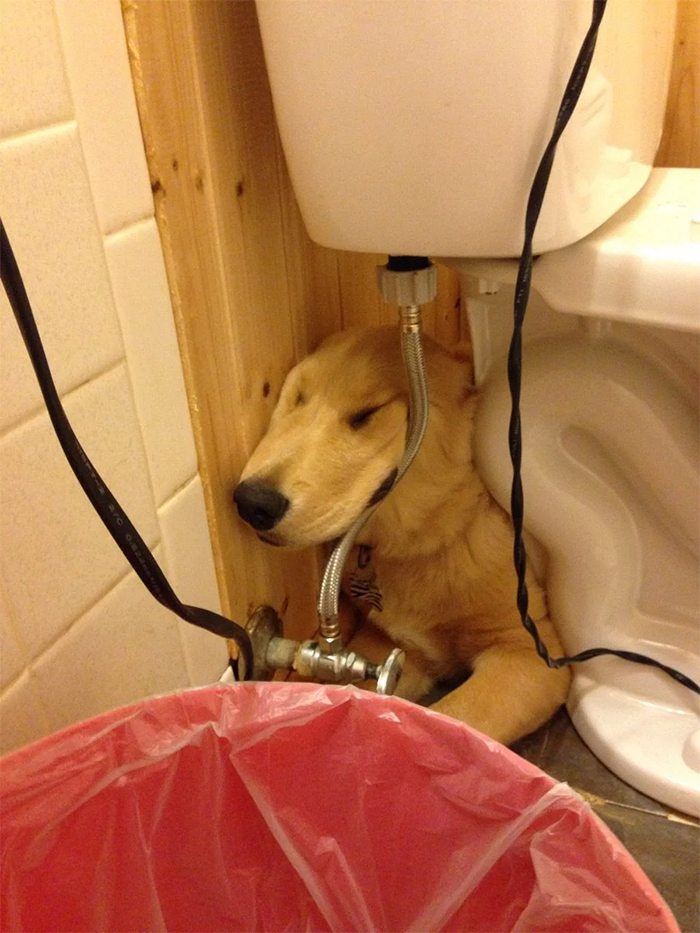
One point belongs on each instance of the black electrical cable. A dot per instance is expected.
(113, 516)
(522, 293)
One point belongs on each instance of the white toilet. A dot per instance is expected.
(415, 127)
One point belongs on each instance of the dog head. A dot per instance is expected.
(334, 442)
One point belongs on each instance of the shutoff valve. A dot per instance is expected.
(272, 652)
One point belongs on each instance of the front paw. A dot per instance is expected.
(414, 683)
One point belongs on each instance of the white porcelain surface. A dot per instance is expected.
(646, 744)
(413, 127)
(33, 86)
(612, 490)
(137, 270)
(642, 265)
(48, 213)
(125, 648)
(62, 558)
(98, 71)
(188, 548)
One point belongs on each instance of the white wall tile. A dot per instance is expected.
(78, 629)
(125, 648)
(187, 545)
(32, 77)
(22, 715)
(13, 658)
(49, 217)
(97, 63)
(140, 287)
(58, 558)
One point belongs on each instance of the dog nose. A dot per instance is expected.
(259, 505)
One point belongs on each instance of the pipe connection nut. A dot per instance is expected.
(414, 287)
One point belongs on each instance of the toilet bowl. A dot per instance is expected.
(610, 466)
(416, 128)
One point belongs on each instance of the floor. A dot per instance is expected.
(664, 843)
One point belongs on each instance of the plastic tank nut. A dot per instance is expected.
(408, 288)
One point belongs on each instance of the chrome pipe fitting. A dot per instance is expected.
(272, 652)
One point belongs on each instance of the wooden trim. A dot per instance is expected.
(680, 142)
(241, 271)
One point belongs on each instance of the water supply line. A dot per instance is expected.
(410, 282)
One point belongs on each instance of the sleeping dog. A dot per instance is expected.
(432, 569)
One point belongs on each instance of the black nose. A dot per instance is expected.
(259, 505)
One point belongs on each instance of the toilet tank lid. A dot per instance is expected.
(642, 265)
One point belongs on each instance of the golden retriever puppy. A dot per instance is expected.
(432, 570)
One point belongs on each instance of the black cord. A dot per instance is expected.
(113, 516)
(522, 293)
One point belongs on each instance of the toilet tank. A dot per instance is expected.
(415, 126)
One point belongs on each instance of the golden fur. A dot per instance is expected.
(441, 548)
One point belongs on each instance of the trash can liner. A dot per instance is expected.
(302, 807)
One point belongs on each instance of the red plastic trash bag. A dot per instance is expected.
(302, 807)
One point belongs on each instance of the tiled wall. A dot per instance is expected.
(79, 633)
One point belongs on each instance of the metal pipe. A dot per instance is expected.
(414, 363)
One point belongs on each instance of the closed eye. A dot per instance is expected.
(360, 418)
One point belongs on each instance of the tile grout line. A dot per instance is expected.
(127, 367)
(165, 567)
(29, 668)
(182, 624)
(84, 115)
(64, 396)
(127, 228)
(107, 239)
(181, 488)
(92, 605)
(45, 130)
(108, 234)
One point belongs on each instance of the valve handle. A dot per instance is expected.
(389, 672)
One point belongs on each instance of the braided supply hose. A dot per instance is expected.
(414, 364)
